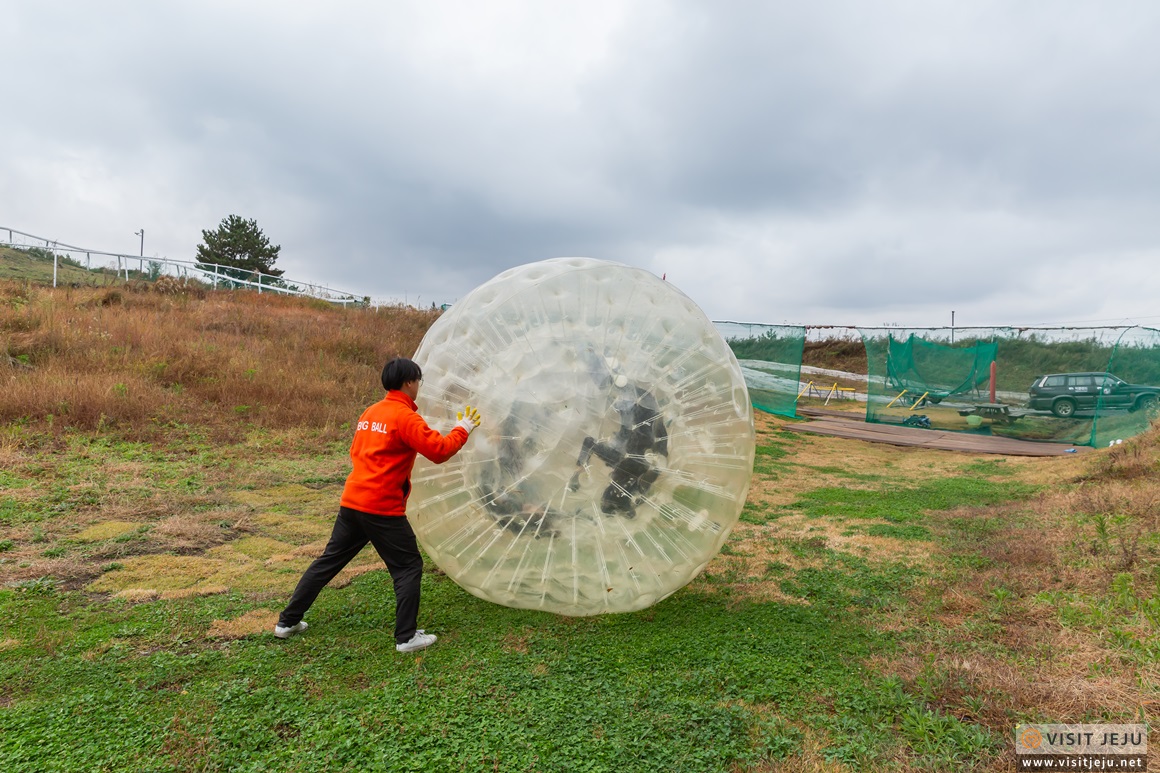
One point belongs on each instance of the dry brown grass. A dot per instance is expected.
(516, 642)
(256, 621)
(237, 548)
(836, 354)
(195, 532)
(145, 363)
(987, 644)
(1138, 459)
(997, 634)
(105, 530)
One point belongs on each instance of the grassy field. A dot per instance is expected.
(35, 265)
(875, 608)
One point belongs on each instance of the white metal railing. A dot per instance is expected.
(212, 273)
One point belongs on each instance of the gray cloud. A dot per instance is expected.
(816, 163)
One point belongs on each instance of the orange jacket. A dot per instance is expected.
(387, 437)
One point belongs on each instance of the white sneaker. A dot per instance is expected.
(419, 641)
(286, 633)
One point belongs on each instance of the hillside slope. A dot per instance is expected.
(35, 265)
(143, 359)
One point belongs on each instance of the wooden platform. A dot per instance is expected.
(852, 425)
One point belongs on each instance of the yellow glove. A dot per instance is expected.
(468, 419)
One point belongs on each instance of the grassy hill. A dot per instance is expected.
(171, 459)
(35, 265)
(145, 360)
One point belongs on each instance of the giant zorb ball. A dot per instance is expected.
(616, 447)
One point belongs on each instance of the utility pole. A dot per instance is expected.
(952, 326)
(141, 263)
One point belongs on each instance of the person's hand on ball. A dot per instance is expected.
(468, 419)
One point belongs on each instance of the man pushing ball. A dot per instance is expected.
(373, 508)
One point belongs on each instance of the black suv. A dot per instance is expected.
(1065, 393)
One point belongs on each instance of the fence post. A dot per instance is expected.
(54, 268)
(259, 283)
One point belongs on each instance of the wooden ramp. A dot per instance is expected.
(851, 425)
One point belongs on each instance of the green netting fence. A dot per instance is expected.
(771, 359)
(1082, 386)
(1124, 411)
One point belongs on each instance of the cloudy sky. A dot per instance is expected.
(837, 162)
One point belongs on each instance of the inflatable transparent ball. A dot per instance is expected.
(616, 446)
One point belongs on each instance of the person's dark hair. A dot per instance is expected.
(399, 371)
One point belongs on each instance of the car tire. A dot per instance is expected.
(1147, 403)
(1064, 407)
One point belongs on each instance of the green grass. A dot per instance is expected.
(692, 684)
(36, 266)
(844, 472)
(905, 504)
(769, 456)
(713, 678)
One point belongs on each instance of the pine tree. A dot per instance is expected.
(240, 244)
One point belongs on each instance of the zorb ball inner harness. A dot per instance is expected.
(616, 447)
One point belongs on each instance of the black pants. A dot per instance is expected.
(395, 542)
(631, 476)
